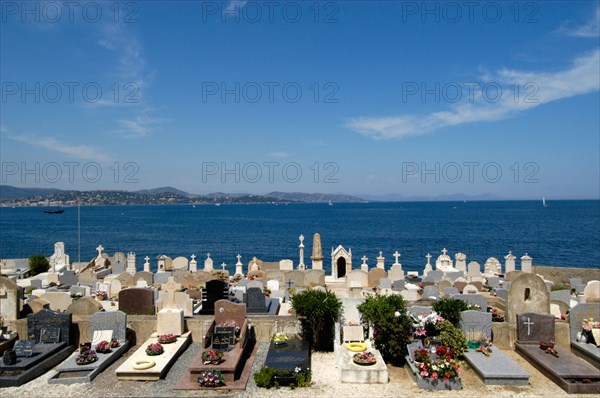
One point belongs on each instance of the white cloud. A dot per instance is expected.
(138, 125)
(85, 152)
(546, 87)
(590, 29)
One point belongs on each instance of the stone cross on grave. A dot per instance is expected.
(396, 255)
(193, 256)
(444, 251)
(99, 249)
(223, 265)
(147, 258)
(528, 323)
(364, 260)
(170, 288)
(428, 256)
(289, 283)
(239, 258)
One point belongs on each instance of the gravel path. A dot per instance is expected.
(324, 384)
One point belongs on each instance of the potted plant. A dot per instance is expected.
(154, 349)
(212, 357)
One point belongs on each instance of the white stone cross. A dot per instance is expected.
(364, 260)
(528, 323)
(396, 255)
(223, 265)
(99, 248)
(380, 254)
(428, 258)
(444, 251)
(239, 258)
(301, 240)
(193, 256)
(170, 288)
(207, 256)
(147, 258)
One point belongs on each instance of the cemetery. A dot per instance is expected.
(457, 325)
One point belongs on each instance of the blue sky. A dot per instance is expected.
(409, 98)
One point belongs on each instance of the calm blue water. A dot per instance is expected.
(566, 233)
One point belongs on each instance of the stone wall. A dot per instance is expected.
(562, 275)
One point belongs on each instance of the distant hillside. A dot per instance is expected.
(10, 192)
(314, 197)
(164, 190)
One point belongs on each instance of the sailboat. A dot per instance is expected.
(544, 202)
(330, 203)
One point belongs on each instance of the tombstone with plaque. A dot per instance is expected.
(49, 344)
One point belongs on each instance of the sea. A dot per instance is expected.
(563, 234)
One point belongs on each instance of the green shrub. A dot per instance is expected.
(264, 377)
(392, 326)
(452, 336)
(38, 263)
(450, 309)
(319, 311)
(559, 286)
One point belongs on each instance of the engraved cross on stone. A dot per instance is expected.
(364, 260)
(528, 323)
(289, 283)
(170, 288)
(396, 255)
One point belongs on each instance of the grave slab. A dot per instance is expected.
(352, 373)
(497, 369)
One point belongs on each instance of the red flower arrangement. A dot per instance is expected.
(103, 347)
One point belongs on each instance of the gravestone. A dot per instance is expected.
(473, 299)
(417, 310)
(273, 285)
(450, 291)
(286, 265)
(492, 267)
(579, 313)
(357, 277)
(277, 275)
(385, 283)
(561, 295)
(215, 290)
(434, 276)
(375, 276)
(161, 278)
(591, 292)
(476, 325)
(473, 269)
(85, 306)
(287, 359)
(314, 277)
(443, 285)
(50, 322)
(87, 278)
(534, 328)
(59, 301)
(137, 301)
(493, 281)
(116, 321)
(296, 276)
(470, 289)
(115, 287)
(431, 292)
(502, 293)
(396, 273)
(146, 276)
(398, 285)
(36, 283)
(527, 293)
(118, 268)
(255, 300)
(9, 299)
(80, 291)
(180, 263)
(68, 277)
(257, 284)
(126, 279)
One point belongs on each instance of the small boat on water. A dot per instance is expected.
(330, 203)
(544, 202)
(57, 211)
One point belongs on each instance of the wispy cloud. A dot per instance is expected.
(590, 29)
(85, 152)
(581, 78)
(139, 124)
